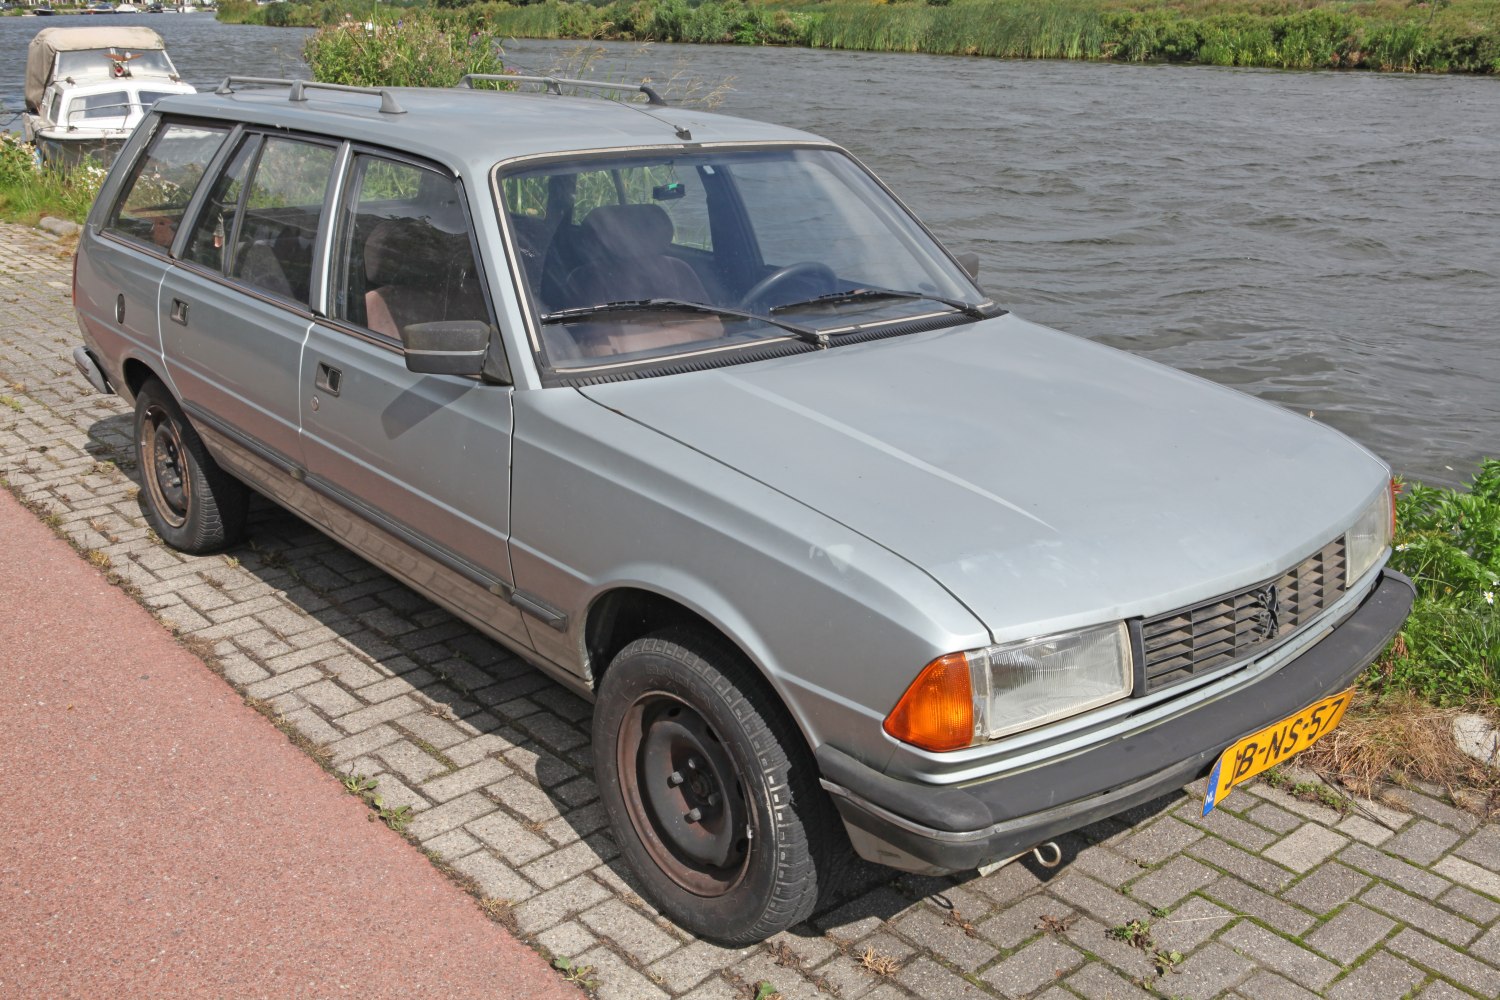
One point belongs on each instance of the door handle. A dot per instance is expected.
(329, 378)
(179, 312)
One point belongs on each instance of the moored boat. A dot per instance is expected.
(87, 88)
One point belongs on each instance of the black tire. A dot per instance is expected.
(190, 502)
(666, 701)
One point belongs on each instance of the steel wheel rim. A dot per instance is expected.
(684, 795)
(164, 464)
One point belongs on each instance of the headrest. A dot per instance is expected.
(410, 252)
(629, 229)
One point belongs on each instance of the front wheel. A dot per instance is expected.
(724, 823)
(190, 502)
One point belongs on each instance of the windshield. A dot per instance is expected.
(631, 258)
(115, 62)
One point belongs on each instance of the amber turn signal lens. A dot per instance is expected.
(937, 711)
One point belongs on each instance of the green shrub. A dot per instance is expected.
(1448, 542)
(418, 51)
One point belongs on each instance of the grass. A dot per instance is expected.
(1446, 658)
(29, 191)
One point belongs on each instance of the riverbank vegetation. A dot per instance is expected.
(1448, 542)
(1392, 35)
(28, 192)
(419, 51)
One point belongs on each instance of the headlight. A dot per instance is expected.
(1370, 536)
(962, 698)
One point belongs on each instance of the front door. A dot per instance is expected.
(414, 469)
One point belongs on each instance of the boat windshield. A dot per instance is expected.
(637, 257)
(101, 63)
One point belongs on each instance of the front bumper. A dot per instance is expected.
(930, 829)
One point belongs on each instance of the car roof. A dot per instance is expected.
(471, 130)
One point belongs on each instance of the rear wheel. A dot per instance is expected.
(190, 502)
(724, 824)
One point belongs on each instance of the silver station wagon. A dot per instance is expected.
(692, 413)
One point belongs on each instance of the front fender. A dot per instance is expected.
(838, 625)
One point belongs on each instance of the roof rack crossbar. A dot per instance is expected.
(299, 88)
(555, 84)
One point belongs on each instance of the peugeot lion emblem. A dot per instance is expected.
(1267, 613)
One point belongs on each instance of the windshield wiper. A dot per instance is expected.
(803, 333)
(974, 310)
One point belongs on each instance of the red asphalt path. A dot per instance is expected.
(159, 838)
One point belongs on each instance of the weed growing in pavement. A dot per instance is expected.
(1309, 791)
(358, 784)
(1137, 934)
(432, 752)
(575, 973)
(879, 963)
(764, 990)
(395, 817)
(13, 404)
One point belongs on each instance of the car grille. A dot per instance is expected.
(1194, 640)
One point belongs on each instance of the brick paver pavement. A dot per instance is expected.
(1270, 897)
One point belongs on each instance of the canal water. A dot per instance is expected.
(1327, 241)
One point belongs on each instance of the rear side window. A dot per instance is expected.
(210, 241)
(162, 183)
(406, 250)
(279, 217)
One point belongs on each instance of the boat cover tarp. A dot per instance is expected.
(48, 42)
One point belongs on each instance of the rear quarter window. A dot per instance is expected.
(162, 182)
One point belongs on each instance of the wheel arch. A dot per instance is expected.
(622, 614)
(136, 373)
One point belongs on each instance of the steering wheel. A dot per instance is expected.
(807, 270)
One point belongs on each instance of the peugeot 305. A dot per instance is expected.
(694, 415)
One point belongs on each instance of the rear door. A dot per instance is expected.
(414, 469)
(119, 278)
(235, 311)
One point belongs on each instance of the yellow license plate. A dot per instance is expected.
(1272, 745)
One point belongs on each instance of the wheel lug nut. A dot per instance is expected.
(712, 798)
(674, 779)
(693, 815)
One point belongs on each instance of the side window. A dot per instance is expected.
(210, 241)
(159, 188)
(278, 225)
(407, 252)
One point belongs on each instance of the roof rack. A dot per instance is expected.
(555, 85)
(388, 105)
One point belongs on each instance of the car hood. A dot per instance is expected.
(1045, 481)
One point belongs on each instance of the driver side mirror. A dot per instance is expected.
(449, 347)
